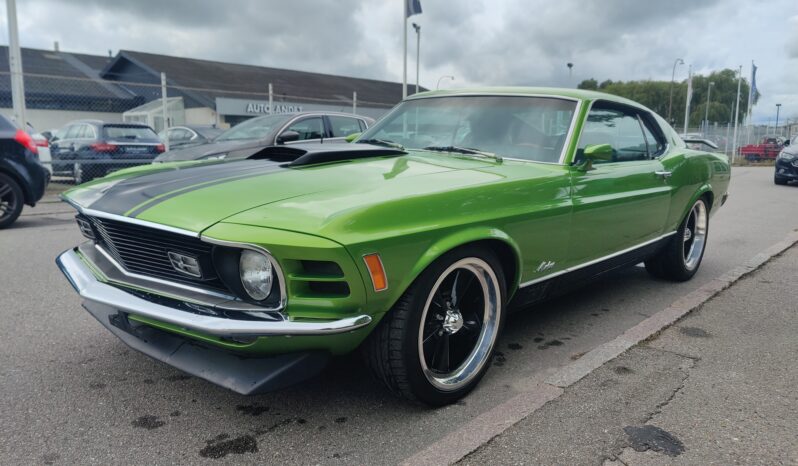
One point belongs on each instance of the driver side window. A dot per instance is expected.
(309, 128)
(620, 128)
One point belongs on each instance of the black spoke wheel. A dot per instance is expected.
(680, 258)
(436, 343)
(11, 200)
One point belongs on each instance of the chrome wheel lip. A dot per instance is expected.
(476, 360)
(697, 237)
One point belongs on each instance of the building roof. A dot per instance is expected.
(64, 81)
(219, 79)
(74, 81)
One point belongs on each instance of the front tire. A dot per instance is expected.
(779, 180)
(437, 341)
(11, 201)
(680, 258)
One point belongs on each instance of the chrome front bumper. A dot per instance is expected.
(94, 291)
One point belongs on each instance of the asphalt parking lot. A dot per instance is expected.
(73, 393)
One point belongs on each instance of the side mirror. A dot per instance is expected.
(287, 136)
(595, 152)
(786, 142)
(598, 152)
(352, 137)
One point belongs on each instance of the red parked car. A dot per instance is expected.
(768, 149)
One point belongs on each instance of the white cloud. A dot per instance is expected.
(480, 42)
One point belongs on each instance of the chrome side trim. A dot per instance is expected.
(595, 261)
(96, 293)
(264, 251)
(133, 221)
(571, 131)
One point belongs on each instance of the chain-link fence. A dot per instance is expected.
(86, 128)
(754, 143)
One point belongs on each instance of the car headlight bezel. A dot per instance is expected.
(227, 260)
(256, 272)
(786, 156)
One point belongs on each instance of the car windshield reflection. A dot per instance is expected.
(529, 128)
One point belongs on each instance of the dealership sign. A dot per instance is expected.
(263, 108)
(252, 107)
(226, 106)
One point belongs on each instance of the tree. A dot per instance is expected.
(590, 84)
(655, 95)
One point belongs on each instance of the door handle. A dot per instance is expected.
(664, 174)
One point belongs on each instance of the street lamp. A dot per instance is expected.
(776, 128)
(437, 86)
(570, 68)
(418, 51)
(678, 61)
(706, 110)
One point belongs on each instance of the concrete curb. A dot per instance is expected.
(480, 430)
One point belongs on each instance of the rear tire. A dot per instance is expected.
(680, 258)
(11, 200)
(437, 341)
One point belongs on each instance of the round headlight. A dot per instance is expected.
(255, 270)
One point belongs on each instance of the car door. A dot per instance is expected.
(621, 203)
(63, 150)
(310, 128)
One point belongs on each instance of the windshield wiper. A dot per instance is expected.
(464, 150)
(382, 142)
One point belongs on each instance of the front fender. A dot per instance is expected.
(405, 260)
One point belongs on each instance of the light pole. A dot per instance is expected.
(776, 128)
(418, 51)
(678, 61)
(570, 68)
(437, 86)
(706, 110)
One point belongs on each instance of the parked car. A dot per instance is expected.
(250, 136)
(412, 242)
(787, 162)
(768, 149)
(23, 179)
(89, 149)
(194, 135)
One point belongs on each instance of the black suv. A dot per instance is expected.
(787, 163)
(23, 178)
(89, 149)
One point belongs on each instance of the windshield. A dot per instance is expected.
(529, 128)
(256, 128)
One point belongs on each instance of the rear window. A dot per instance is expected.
(129, 132)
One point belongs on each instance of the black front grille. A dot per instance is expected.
(145, 251)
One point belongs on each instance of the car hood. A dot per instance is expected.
(195, 196)
(231, 149)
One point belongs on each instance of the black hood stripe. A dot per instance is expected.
(133, 196)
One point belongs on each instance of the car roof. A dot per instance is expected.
(579, 94)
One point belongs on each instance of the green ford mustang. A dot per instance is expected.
(412, 243)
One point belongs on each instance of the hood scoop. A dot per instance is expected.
(310, 154)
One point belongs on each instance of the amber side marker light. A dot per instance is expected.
(377, 272)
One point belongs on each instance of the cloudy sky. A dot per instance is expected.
(480, 42)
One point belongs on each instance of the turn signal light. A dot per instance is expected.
(377, 271)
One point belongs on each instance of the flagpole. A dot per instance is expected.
(736, 115)
(404, 52)
(748, 110)
(689, 92)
